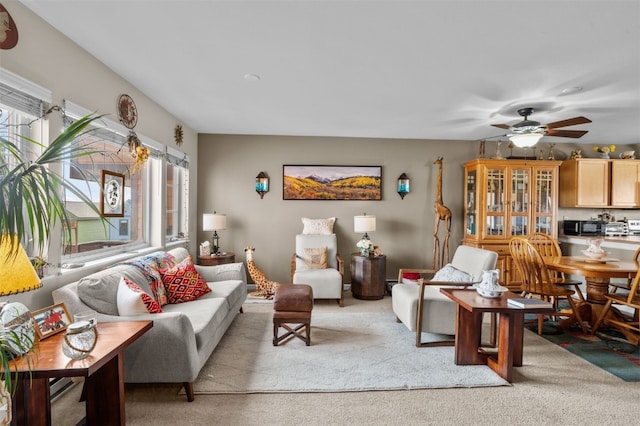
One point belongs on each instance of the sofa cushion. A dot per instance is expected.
(99, 290)
(452, 274)
(132, 300)
(315, 258)
(318, 226)
(206, 316)
(183, 282)
(149, 266)
(231, 290)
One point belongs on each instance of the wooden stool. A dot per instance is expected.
(292, 304)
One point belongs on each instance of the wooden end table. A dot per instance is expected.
(103, 371)
(368, 276)
(216, 259)
(469, 309)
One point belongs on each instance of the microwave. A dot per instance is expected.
(583, 227)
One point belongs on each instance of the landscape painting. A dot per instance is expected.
(332, 182)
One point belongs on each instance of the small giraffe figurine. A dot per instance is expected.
(266, 288)
(442, 213)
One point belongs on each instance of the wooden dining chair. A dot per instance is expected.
(626, 285)
(538, 281)
(548, 246)
(632, 300)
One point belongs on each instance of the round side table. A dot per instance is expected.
(217, 259)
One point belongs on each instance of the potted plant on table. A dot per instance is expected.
(32, 203)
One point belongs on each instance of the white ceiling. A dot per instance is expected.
(388, 69)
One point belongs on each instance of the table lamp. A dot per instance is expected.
(214, 222)
(364, 224)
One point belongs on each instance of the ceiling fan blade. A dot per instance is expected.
(566, 133)
(502, 126)
(569, 122)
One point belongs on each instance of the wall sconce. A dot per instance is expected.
(403, 185)
(262, 184)
(214, 222)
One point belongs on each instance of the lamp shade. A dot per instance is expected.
(364, 223)
(525, 140)
(16, 271)
(214, 221)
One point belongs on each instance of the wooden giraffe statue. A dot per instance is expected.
(266, 288)
(442, 214)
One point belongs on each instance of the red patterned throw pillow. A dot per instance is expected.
(183, 283)
(132, 300)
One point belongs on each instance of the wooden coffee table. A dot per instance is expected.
(103, 372)
(469, 310)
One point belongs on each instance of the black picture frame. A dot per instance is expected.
(112, 199)
(323, 182)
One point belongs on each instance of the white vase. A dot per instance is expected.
(604, 155)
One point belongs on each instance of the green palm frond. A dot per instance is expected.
(32, 191)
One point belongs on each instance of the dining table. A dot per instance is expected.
(598, 274)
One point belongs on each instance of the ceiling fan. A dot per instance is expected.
(528, 132)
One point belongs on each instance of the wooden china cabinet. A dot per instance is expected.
(506, 198)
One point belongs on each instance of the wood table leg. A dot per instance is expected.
(468, 335)
(509, 343)
(31, 403)
(105, 394)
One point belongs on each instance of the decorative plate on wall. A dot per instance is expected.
(127, 111)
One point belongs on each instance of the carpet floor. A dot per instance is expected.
(348, 352)
(605, 350)
(552, 387)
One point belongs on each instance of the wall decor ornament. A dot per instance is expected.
(8, 30)
(112, 200)
(178, 134)
(309, 182)
(127, 111)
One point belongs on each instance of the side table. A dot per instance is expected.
(217, 259)
(368, 276)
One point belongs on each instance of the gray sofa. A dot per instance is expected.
(183, 336)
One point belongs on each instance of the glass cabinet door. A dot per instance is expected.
(495, 203)
(471, 216)
(544, 201)
(519, 198)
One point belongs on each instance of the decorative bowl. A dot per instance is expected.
(595, 254)
(491, 293)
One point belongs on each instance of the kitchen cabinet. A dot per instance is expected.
(506, 198)
(600, 183)
(625, 183)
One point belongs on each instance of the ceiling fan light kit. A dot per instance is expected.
(525, 140)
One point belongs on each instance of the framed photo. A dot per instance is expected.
(51, 320)
(112, 200)
(302, 182)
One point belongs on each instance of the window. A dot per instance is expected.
(177, 174)
(22, 107)
(90, 237)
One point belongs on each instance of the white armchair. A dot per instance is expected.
(327, 282)
(422, 308)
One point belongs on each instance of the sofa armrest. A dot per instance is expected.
(225, 272)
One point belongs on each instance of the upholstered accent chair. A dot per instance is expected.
(421, 307)
(316, 262)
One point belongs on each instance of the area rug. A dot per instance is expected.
(606, 349)
(348, 352)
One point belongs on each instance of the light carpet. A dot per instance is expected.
(348, 352)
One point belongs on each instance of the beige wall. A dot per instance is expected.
(228, 165)
(46, 57)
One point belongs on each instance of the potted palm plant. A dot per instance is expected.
(32, 203)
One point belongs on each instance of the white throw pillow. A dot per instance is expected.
(450, 273)
(132, 300)
(318, 226)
